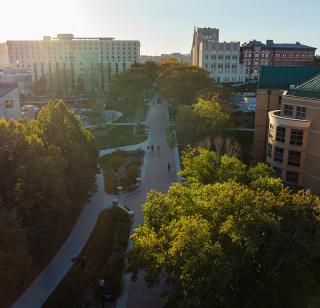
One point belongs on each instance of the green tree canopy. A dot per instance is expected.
(229, 245)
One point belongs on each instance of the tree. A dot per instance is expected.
(229, 245)
(47, 171)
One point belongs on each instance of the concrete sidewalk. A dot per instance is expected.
(137, 294)
(43, 286)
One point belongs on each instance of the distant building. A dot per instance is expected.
(256, 54)
(145, 58)
(9, 101)
(220, 59)
(293, 147)
(181, 58)
(21, 76)
(4, 59)
(272, 82)
(65, 63)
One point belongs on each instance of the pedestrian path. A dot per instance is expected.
(137, 294)
(154, 176)
(47, 281)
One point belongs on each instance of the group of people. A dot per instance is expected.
(158, 149)
(152, 147)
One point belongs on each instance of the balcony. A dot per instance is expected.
(277, 120)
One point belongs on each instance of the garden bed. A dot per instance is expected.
(102, 257)
(121, 169)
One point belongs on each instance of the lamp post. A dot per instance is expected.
(101, 285)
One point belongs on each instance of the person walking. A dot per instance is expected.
(169, 167)
(158, 148)
(152, 147)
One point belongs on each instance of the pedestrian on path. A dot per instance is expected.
(169, 167)
(152, 147)
(148, 148)
(158, 148)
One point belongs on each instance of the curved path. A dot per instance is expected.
(155, 175)
(42, 287)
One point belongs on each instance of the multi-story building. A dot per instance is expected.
(293, 147)
(220, 59)
(272, 82)
(256, 54)
(9, 101)
(59, 62)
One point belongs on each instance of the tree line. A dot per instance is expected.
(47, 171)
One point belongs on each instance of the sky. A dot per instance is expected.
(163, 26)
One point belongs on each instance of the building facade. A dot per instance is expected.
(273, 81)
(9, 101)
(21, 76)
(66, 62)
(293, 147)
(256, 54)
(4, 59)
(220, 59)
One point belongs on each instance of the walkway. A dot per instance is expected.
(42, 287)
(154, 175)
(137, 294)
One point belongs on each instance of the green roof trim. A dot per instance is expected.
(310, 88)
(281, 77)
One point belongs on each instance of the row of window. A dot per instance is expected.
(294, 157)
(296, 136)
(220, 57)
(291, 176)
(300, 111)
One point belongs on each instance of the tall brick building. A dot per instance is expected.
(256, 54)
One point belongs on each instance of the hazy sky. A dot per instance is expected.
(163, 26)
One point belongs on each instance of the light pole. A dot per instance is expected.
(101, 285)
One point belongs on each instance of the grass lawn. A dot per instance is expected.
(116, 136)
(102, 257)
(130, 112)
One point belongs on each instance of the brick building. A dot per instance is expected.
(256, 54)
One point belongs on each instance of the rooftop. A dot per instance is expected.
(281, 77)
(272, 45)
(6, 88)
(310, 88)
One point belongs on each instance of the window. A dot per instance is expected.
(269, 150)
(292, 177)
(288, 110)
(301, 112)
(9, 103)
(278, 154)
(278, 172)
(281, 134)
(294, 158)
(296, 137)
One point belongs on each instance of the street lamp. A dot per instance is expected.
(101, 285)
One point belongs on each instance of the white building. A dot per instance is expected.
(9, 101)
(220, 59)
(181, 58)
(59, 63)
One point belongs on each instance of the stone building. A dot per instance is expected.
(220, 59)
